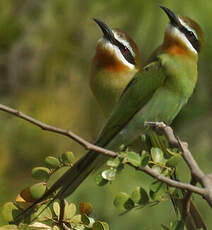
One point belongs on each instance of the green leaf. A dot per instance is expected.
(70, 210)
(140, 196)
(179, 193)
(100, 225)
(177, 225)
(122, 147)
(10, 211)
(68, 158)
(56, 208)
(76, 219)
(85, 219)
(9, 227)
(55, 228)
(40, 173)
(109, 174)
(123, 201)
(165, 227)
(157, 155)
(133, 158)
(157, 190)
(156, 168)
(42, 214)
(143, 138)
(145, 158)
(52, 162)
(37, 190)
(100, 180)
(38, 225)
(113, 163)
(173, 161)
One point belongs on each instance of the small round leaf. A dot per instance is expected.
(85, 219)
(113, 163)
(70, 210)
(40, 173)
(76, 219)
(157, 190)
(156, 168)
(173, 161)
(140, 196)
(145, 158)
(9, 227)
(38, 190)
(133, 158)
(24, 199)
(52, 162)
(109, 174)
(38, 225)
(157, 155)
(68, 158)
(43, 213)
(123, 201)
(56, 208)
(100, 180)
(100, 225)
(10, 211)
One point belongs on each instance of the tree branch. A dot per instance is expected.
(53, 129)
(206, 191)
(196, 172)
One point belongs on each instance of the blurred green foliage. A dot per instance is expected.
(46, 49)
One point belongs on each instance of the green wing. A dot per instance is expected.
(135, 96)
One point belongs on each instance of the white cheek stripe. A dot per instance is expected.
(124, 42)
(173, 31)
(188, 27)
(115, 50)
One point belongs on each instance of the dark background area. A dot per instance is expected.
(46, 49)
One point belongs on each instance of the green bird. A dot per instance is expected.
(115, 63)
(157, 93)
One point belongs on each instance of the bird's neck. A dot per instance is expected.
(107, 60)
(174, 46)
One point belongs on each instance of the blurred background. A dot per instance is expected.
(46, 49)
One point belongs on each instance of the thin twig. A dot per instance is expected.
(169, 133)
(172, 183)
(196, 172)
(64, 132)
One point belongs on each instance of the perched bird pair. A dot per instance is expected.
(128, 97)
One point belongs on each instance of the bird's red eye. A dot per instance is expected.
(127, 54)
(124, 50)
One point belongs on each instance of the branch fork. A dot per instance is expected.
(161, 128)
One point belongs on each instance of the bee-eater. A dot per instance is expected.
(115, 63)
(157, 93)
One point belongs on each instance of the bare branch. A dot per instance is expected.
(196, 172)
(53, 129)
(173, 183)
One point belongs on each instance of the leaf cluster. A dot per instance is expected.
(48, 215)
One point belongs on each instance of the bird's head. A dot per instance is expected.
(116, 51)
(183, 35)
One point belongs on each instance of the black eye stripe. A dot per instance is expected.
(191, 37)
(125, 51)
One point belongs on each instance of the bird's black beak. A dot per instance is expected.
(172, 16)
(108, 33)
